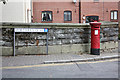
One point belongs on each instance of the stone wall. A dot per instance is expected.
(62, 38)
(119, 25)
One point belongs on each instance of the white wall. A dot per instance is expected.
(27, 11)
(15, 11)
(1, 11)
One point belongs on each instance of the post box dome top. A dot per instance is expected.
(95, 23)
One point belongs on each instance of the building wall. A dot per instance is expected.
(0, 12)
(15, 11)
(119, 11)
(101, 9)
(38, 7)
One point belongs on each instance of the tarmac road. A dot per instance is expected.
(96, 69)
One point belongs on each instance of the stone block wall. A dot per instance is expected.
(57, 36)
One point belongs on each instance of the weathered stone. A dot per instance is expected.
(119, 46)
(42, 37)
(41, 43)
(76, 35)
(59, 31)
(77, 30)
(51, 31)
(104, 39)
(57, 42)
(84, 35)
(68, 36)
(76, 41)
(50, 43)
(60, 36)
(1, 37)
(66, 41)
(112, 38)
(69, 30)
(116, 29)
(87, 31)
(21, 44)
(105, 29)
(85, 40)
(112, 34)
(8, 44)
(2, 43)
(50, 37)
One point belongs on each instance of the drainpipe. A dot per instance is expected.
(31, 10)
(79, 11)
(103, 10)
(25, 11)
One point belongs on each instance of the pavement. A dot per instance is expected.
(22, 60)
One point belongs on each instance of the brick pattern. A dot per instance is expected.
(101, 9)
(38, 7)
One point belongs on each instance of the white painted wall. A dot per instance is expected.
(1, 11)
(27, 9)
(16, 11)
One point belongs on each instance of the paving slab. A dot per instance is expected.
(22, 60)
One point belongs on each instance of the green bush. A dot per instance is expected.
(119, 36)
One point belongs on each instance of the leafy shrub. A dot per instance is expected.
(119, 36)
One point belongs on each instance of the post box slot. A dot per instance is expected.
(96, 27)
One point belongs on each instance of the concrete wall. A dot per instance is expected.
(63, 38)
(16, 11)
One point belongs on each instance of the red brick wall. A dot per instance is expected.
(98, 8)
(87, 8)
(119, 11)
(38, 7)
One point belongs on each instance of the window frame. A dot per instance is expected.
(47, 20)
(96, 0)
(88, 18)
(67, 17)
(113, 15)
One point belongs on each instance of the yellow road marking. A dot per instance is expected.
(41, 65)
(98, 61)
(60, 64)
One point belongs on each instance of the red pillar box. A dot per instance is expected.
(95, 38)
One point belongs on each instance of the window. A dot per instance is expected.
(96, 0)
(46, 15)
(67, 16)
(91, 18)
(114, 15)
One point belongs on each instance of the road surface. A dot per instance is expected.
(96, 69)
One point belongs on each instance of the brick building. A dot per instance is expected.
(119, 11)
(119, 15)
(74, 11)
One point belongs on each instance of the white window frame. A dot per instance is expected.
(114, 15)
(67, 15)
(45, 13)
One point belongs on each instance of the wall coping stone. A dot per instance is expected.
(51, 25)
